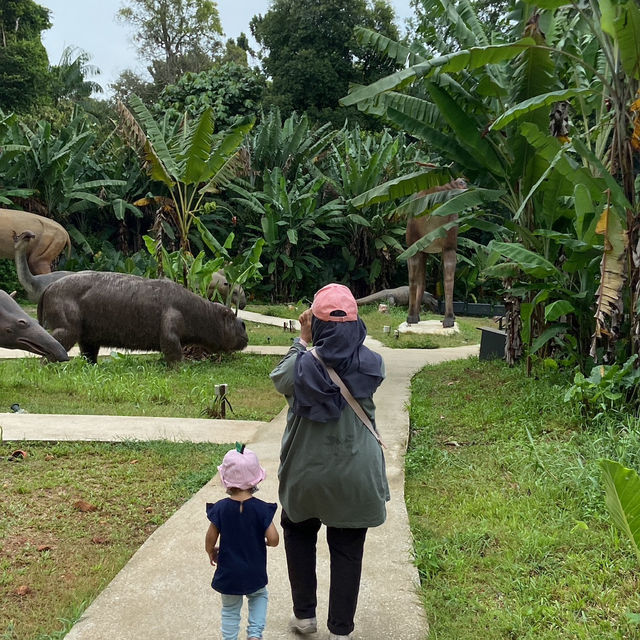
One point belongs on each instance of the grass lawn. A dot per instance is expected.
(375, 321)
(138, 385)
(512, 537)
(72, 516)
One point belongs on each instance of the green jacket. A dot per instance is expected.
(334, 471)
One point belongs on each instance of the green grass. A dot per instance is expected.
(54, 558)
(512, 538)
(267, 334)
(375, 321)
(135, 385)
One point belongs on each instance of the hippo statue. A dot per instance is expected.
(51, 238)
(20, 331)
(33, 284)
(100, 309)
(219, 283)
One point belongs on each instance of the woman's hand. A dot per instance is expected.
(305, 325)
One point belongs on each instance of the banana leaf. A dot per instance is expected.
(557, 309)
(546, 336)
(621, 20)
(439, 141)
(622, 497)
(199, 149)
(163, 166)
(528, 261)
(444, 203)
(473, 58)
(465, 129)
(426, 240)
(612, 274)
(537, 102)
(401, 187)
(396, 51)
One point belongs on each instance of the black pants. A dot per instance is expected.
(346, 547)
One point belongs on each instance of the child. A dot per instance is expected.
(245, 527)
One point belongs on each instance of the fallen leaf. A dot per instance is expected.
(84, 506)
(133, 462)
(49, 457)
(99, 540)
(44, 547)
(148, 510)
(23, 590)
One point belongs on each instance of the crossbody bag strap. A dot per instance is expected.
(348, 396)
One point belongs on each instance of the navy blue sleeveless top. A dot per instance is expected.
(242, 558)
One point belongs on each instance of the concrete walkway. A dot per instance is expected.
(163, 593)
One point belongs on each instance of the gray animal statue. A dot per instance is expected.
(418, 228)
(398, 297)
(34, 285)
(99, 309)
(219, 283)
(20, 331)
(51, 238)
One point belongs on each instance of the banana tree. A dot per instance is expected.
(371, 237)
(296, 228)
(187, 158)
(483, 108)
(56, 167)
(291, 145)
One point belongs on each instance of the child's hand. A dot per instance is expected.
(213, 556)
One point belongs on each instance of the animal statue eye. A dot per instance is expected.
(22, 322)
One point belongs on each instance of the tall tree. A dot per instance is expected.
(70, 77)
(172, 34)
(309, 49)
(23, 58)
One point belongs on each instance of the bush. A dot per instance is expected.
(8, 277)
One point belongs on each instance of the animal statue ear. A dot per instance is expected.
(13, 294)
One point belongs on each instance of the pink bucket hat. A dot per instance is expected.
(241, 470)
(335, 303)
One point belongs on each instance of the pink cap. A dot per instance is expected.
(241, 470)
(335, 303)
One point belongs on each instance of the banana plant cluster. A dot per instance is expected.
(482, 109)
(53, 170)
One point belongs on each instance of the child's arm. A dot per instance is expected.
(210, 543)
(271, 535)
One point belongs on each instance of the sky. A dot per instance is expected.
(91, 26)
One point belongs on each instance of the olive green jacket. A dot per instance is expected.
(334, 471)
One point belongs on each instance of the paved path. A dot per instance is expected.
(163, 593)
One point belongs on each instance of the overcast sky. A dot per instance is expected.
(91, 26)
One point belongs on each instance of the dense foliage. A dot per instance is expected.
(311, 55)
(23, 58)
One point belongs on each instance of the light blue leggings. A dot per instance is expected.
(231, 608)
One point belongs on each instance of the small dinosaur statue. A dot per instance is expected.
(34, 285)
(398, 297)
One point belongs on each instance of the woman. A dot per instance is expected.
(332, 468)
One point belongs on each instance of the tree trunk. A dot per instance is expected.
(513, 326)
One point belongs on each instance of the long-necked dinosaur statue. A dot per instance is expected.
(34, 285)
